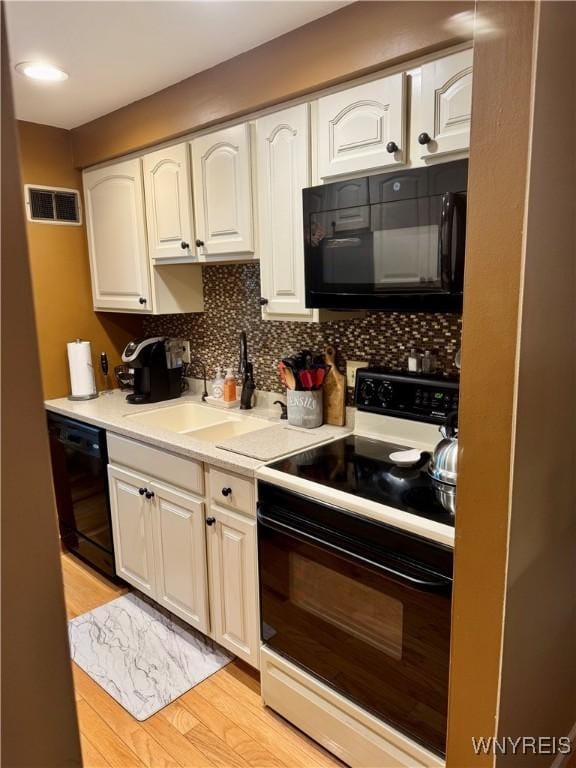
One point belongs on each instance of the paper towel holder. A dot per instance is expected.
(90, 395)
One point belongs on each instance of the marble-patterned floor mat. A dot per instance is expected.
(143, 656)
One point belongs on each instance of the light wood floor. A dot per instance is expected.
(221, 722)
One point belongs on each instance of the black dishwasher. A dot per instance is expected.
(79, 467)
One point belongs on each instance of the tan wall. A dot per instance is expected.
(538, 694)
(497, 188)
(353, 41)
(39, 727)
(60, 268)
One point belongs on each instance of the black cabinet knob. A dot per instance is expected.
(199, 243)
(142, 300)
(142, 491)
(149, 494)
(184, 245)
(226, 491)
(424, 138)
(263, 301)
(210, 520)
(391, 147)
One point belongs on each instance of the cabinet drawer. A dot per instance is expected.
(229, 490)
(175, 470)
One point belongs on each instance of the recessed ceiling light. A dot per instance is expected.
(37, 70)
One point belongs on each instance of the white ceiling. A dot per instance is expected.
(118, 51)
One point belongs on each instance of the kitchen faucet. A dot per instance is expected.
(246, 371)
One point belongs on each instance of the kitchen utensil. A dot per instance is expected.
(307, 379)
(444, 463)
(334, 392)
(104, 367)
(406, 458)
(290, 378)
(446, 495)
(320, 375)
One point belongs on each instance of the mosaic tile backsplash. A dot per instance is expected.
(231, 294)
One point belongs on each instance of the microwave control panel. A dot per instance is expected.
(409, 396)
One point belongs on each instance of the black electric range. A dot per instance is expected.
(362, 466)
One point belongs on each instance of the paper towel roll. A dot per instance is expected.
(81, 369)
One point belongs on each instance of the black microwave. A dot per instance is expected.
(394, 241)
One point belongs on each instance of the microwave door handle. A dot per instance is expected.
(439, 584)
(447, 214)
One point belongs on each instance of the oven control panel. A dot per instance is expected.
(407, 395)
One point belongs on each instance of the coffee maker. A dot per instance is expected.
(157, 369)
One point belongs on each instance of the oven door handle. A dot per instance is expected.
(438, 584)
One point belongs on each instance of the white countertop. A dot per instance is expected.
(109, 412)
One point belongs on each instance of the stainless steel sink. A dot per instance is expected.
(183, 417)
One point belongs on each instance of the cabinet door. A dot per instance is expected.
(168, 190)
(234, 584)
(283, 158)
(132, 529)
(355, 127)
(221, 173)
(446, 105)
(117, 237)
(181, 574)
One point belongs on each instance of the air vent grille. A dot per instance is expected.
(55, 206)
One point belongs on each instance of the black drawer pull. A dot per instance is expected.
(149, 494)
(210, 520)
(142, 491)
(226, 491)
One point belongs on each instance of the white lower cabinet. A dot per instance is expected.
(160, 544)
(200, 565)
(132, 529)
(234, 583)
(181, 584)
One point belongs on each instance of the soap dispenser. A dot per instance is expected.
(218, 385)
(230, 387)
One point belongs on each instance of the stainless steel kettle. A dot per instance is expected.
(444, 462)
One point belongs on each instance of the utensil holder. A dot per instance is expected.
(304, 408)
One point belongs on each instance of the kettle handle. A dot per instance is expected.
(451, 426)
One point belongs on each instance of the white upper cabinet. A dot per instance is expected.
(168, 191)
(362, 128)
(222, 175)
(283, 170)
(445, 106)
(117, 237)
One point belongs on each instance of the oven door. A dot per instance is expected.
(373, 625)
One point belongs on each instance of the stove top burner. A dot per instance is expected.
(361, 466)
